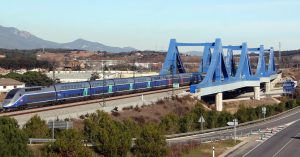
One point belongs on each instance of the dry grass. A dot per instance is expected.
(78, 124)
(155, 111)
(36, 150)
(180, 149)
(291, 73)
(205, 149)
(233, 106)
(2, 96)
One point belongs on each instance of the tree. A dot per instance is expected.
(112, 138)
(14, 75)
(241, 114)
(186, 122)
(134, 128)
(94, 76)
(68, 144)
(151, 142)
(170, 123)
(13, 141)
(223, 118)
(212, 117)
(36, 128)
(31, 78)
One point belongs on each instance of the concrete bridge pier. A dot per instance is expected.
(257, 93)
(219, 101)
(267, 87)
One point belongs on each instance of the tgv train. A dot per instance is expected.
(21, 98)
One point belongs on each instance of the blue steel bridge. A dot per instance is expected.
(220, 72)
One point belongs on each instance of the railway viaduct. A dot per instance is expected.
(219, 70)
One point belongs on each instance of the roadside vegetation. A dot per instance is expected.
(205, 149)
(101, 134)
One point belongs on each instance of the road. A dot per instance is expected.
(283, 144)
(281, 120)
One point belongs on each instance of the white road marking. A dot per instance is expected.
(284, 146)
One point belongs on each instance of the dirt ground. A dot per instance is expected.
(154, 112)
(233, 106)
(292, 73)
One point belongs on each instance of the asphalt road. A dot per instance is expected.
(284, 119)
(283, 144)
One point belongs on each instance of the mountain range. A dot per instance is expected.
(12, 38)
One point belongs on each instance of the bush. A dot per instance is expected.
(170, 123)
(36, 128)
(13, 141)
(290, 104)
(280, 107)
(68, 144)
(151, 142)
(111, 138)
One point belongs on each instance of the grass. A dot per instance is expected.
(205, 149)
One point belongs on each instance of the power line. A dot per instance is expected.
(103, 84)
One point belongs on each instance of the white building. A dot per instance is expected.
(7, 84)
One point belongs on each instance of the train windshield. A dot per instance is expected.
(11, 94)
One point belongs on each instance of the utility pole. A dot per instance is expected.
(104, 83)
(235, 121)
(53, 129)
(133, 69)
(53, 71)
(279, 55)
(172, 66)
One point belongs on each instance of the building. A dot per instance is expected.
(7, 84)
(2, 56)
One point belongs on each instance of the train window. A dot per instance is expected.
(41, 96)
(123, 81)
(72, 86)
(11, 94)
(32, 89)
(158, 77)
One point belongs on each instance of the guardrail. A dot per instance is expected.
(40, 140)
(230, 127)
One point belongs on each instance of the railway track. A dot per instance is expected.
(81, 103)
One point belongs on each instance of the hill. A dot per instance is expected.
(12, 38)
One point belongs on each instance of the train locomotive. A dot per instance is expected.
(30, 97)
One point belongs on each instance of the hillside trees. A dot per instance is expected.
(17, 59)
(13, 141)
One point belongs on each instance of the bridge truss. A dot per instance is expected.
(221, 72)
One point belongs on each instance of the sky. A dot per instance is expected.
(150, 24)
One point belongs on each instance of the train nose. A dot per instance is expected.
(5, 103)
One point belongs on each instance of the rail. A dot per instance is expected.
(80, 103)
